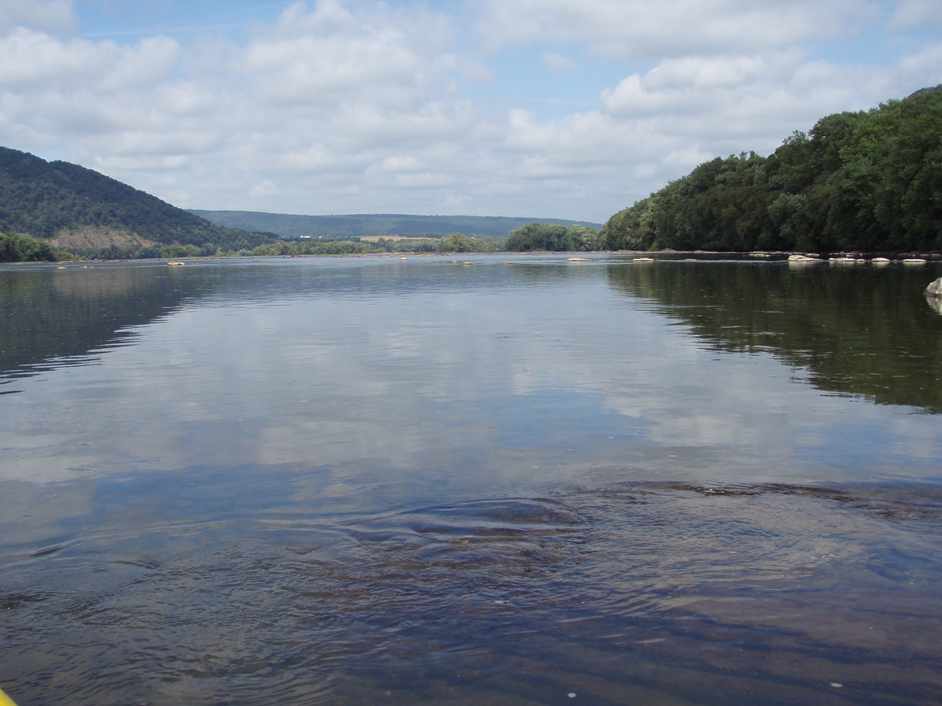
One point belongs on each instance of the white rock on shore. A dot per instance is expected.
(802, 260)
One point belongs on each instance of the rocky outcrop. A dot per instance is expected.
(934, 296)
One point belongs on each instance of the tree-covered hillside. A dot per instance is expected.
(868, 181)
(62, 200)
(292, 226)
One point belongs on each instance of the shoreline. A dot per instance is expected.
(667, 254)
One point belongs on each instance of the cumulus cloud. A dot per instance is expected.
(31, 56)
(365, 106)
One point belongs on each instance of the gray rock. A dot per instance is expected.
(935, 288)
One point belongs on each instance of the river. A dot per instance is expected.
(507, 479)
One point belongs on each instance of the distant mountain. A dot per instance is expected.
(85, 211)
(293, 226)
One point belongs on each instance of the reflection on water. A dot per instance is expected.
(366, 481)
(856, 331)
(50, 319)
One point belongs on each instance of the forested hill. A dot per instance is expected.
(87, 211)
(869, 181)
(292, 226)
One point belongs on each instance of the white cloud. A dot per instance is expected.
(263, 189)
(31, 56)
(911, 13)
(400, 163)
(51, 15)
(558, 63)
(306, 68)
(638, 27)
(364, 106)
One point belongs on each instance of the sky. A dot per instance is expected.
(543, 108)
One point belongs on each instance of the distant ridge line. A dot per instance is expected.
(358, 224)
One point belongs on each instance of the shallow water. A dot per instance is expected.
(368, 480)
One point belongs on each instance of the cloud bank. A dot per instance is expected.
(335, 106)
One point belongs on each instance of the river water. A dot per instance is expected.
(494, 480)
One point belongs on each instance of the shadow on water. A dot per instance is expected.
(856, 331)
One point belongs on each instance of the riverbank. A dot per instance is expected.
(666, 254)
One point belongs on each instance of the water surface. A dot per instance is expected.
(373, 480)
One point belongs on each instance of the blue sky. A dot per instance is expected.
(505, 107)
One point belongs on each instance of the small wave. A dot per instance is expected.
(47, 551)
(13, 601)
(509, 516)
(890, 502)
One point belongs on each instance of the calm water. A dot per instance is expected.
(520, 481)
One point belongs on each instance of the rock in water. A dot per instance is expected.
(934, 295)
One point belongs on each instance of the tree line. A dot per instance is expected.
(869, 181)
(22, 248)
(454, 243)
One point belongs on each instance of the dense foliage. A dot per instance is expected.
(21, 248)
(43, 199)
(454, 243)
(857, 181)
(553, 236)
(293, 226)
